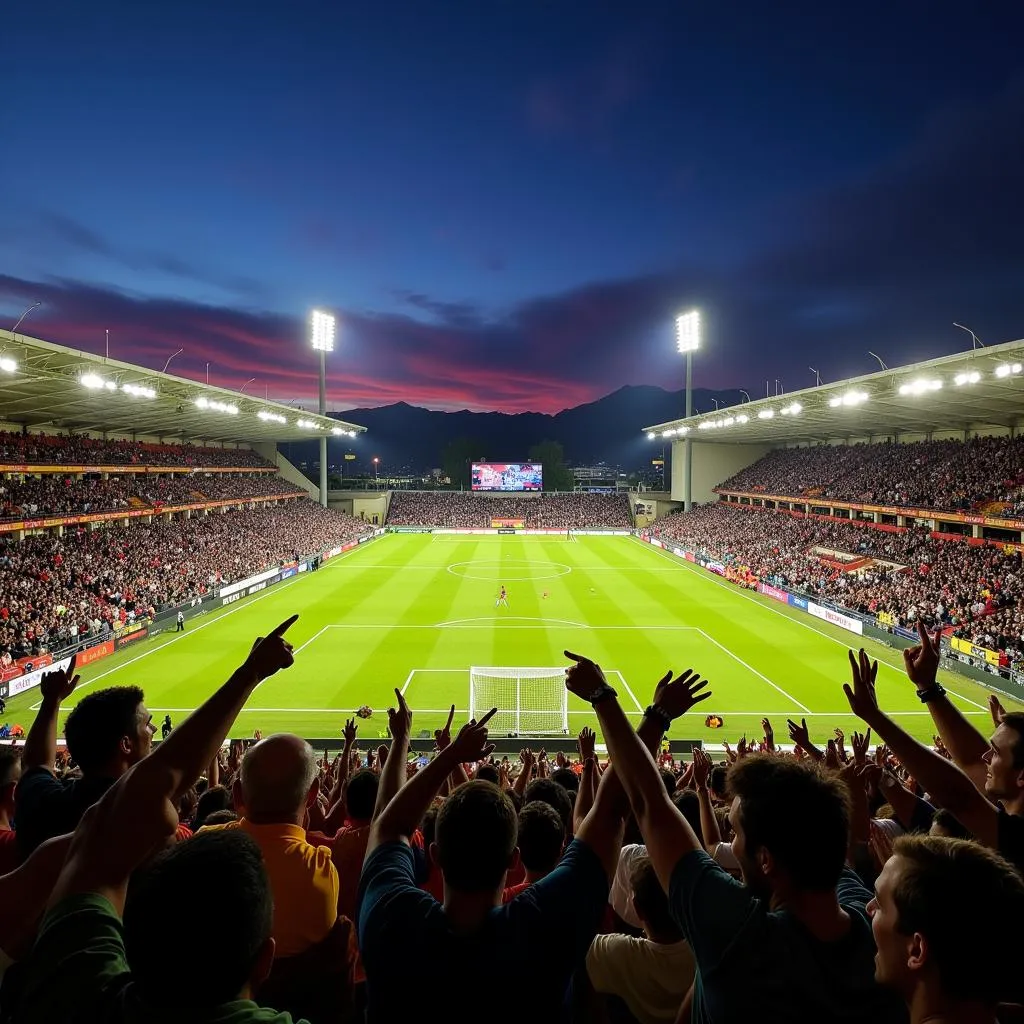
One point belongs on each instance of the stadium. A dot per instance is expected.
(152, 532)
(802, 543)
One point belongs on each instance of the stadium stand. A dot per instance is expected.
(56, 591)
(73, 449)
(910, 575)
(954, 476)
(549, 511)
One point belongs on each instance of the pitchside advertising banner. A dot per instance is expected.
(35, 677)
(836, 618)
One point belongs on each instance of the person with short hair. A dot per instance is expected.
(106, 733)
(796, 932)
(541, 841)
(651, 974)
(934, 900)
(475, 844)
(277, 782)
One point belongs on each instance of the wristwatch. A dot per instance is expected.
(601, 693)
(931, 693)
(660, 715)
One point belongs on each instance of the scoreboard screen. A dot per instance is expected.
(507, 476)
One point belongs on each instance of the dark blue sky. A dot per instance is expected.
(506, 203)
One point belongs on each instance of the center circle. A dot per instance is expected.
(510, 570)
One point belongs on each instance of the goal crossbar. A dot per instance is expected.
(530, 700)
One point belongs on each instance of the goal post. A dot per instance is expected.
(530, 701)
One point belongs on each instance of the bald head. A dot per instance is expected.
(276, 777)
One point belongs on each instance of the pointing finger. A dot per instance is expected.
(285, 626)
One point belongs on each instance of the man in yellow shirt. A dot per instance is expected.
(276, 787)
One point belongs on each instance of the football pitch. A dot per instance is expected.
(415, 611)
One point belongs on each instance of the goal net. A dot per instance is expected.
(529, 700)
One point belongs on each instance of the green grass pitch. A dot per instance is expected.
(414, 611)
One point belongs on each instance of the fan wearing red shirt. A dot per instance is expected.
(541, 841)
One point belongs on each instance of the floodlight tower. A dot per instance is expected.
(322, 338)
(687, 342)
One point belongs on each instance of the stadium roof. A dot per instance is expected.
(41, 385)
(983, 387)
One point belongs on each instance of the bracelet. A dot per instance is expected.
(931, 693)
(601, 694)
(660, 714)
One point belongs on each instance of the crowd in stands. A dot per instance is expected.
(56, 495)
(912, 577)
(73, 449)
(55, 591)
(807, 881)
(947, 475)
(548, 511)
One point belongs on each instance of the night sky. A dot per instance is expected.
(506, 203)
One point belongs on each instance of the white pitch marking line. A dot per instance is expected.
(639, 706)
(682, 564)
(465, 711)
(760, 675)
(405, 687)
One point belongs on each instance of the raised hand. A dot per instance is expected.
(769, 734)
(443, 737)
(741, 747)
(861, 695)
(860, 743)
(880, 844)
(382, 756)
(840, 743)
(584, 678)
(996, 710)
(585, 743)
(471, 742)
(701, 769)
(271, 653)
(832, 756)
(798, 733)
(560, 760)
(676, 696)
(400, 720)
(730, 754)
(922, 661)
(59, 684)
(349, 733)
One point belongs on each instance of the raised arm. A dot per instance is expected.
(665, 830)
(402, 815)
(587, 790)
(443, 739)
(41, 742)
(942, 779)
(392, 775)
(702, 782)
(139, 812)
(965, 744)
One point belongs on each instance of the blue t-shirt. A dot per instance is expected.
(517, 966)
(754, 963)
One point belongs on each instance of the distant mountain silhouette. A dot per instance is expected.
(606, 430)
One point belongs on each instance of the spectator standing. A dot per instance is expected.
(107, 733)
(933, 900)
(793, 941)
(181, 622)
(278, 781)
(10, 772)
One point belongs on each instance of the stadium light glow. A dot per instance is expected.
(651, 435)
(683, 430)
(138, 390)
(270, 417)
(7, 365)
(705, 425)
(921, 386)
(667, 433)
(849, 398)
(321, 330)
(766, 414)
(742, 418)
(1006, 369)
(94, 382)
(793, 409)
(688, 331)
(306, 424)
(339, 432)
(728, 421)
(211, 405)
(967, 378)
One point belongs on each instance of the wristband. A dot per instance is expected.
(663, 718)
(602, 693)
(931, 693)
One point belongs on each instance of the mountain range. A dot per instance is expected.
(606, 430)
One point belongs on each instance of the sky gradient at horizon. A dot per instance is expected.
(506, 205)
